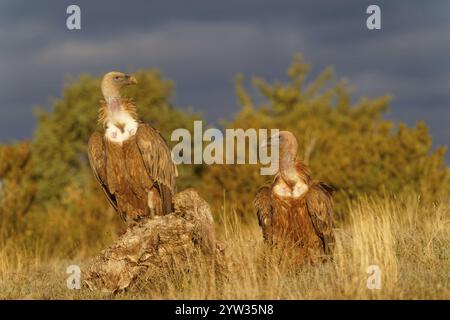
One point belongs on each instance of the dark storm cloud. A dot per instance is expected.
(201, 45)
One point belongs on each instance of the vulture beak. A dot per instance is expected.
(132, 80)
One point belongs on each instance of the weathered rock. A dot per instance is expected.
(153, 246)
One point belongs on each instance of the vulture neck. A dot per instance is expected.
(288, 161)
(117, 115)
(287, 165)
(115, 108)
(110, 92)
(113, 99)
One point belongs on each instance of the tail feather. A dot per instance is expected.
(166, 195)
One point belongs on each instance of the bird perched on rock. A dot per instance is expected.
(295, 208)
(131, 160)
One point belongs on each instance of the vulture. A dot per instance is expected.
(130, 159)
(295, 208)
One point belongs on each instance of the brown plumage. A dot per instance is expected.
(130, 160)
(295, 208)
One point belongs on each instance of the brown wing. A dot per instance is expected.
(97, 160)
(320, 207)
(263, 205)
(158, 162)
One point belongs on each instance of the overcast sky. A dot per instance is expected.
(201, 45)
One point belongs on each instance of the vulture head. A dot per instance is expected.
(287, 146)
(114, 81)
(285, 140)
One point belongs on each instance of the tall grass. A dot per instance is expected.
(408, 240)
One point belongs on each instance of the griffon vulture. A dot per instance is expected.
(130, 160)
(295, 208)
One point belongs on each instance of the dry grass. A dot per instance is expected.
(409, 241)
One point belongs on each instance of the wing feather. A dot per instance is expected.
(158, 161)
(97, 160)
(320, 207)
(263, 205)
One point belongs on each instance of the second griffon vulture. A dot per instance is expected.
(295, 208)
(130, 159)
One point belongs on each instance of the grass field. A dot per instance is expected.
(408, 240)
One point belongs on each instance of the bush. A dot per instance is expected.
(17, 190)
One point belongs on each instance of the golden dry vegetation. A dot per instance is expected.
(408, 240)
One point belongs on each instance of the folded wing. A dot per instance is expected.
(320, 208)
(97, 160)
(158, 162)
(264, 210)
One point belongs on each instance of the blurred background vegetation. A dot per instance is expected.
(48, 193)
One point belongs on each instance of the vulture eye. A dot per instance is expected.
(116, 77)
